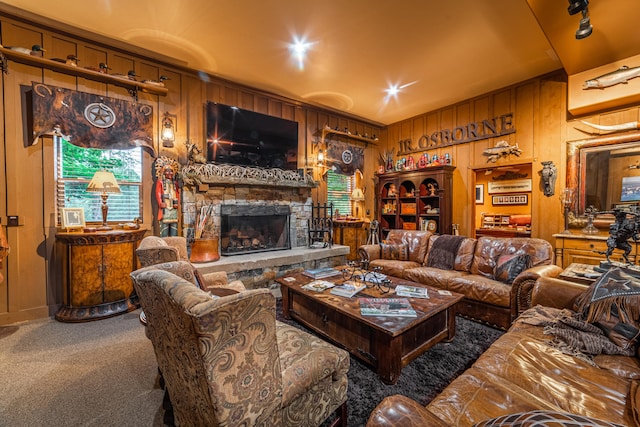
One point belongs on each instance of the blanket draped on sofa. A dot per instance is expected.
(443, 253)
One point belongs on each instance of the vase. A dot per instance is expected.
(205, 250)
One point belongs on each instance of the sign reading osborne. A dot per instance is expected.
(474, 131)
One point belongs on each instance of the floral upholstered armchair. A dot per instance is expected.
(227, 361)
(155, 250)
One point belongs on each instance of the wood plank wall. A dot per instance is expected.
(32, 287)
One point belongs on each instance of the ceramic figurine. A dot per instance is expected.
(411, 163)
(423, 161)
(392, 190)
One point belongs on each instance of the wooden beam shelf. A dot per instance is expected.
(326, 131)
(132, 85)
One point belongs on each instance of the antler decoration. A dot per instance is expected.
(613, 128)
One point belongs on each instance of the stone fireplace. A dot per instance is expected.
(254, 228)
(239, 198)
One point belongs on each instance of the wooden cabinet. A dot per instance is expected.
(350, 233)
(587, 249)
(415, 200)
(95, 273)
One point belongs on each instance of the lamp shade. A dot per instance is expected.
(103, 182)
(357, 195)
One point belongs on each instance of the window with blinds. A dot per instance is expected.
(339, 189)
(75, 168)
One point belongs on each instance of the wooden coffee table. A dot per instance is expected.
(386, 344)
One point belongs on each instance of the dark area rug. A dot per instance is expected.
(423, 378)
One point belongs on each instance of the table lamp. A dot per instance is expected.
(104, 182)
(357, 196)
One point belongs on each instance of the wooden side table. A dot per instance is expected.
(580, 273)
(349, 233)
(95, 273)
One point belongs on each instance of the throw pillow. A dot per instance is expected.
(509, 266)
(613, 304)
(395, 251)
(544, 418)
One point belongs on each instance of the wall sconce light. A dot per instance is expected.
(581, 6)
(168, 134)
(104, 182)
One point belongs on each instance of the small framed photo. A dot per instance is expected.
(511, 199)
(72, 218)
(479, 194)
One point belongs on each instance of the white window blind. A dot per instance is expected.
(75, 168)
(339, 189)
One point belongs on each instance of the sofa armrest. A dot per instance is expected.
(400, 411)
(554, 292)
(369, 252)
(523, 285)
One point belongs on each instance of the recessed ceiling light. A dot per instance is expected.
(394, 89)
(299, 49)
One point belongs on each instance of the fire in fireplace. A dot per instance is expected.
(254, 228)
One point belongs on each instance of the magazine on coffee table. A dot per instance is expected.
(396, 307)
(321, 273)
(348, 289)
(411, 291)
(318, 285)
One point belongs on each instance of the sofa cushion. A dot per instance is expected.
(613, 304)
(489, 249)
(430, 276)
(394, 251)
(417, 240)
(544, 418)
(509, 266)
(393, 268)
(483, 289)
(464, 257)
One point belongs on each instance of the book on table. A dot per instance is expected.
(396, 307)
(321, 273)
(411, 291)
(347, 289)
(318, 285)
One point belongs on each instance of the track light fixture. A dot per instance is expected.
(581, 6)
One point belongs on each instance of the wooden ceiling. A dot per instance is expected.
(438, 52)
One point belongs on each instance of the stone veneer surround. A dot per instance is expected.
(217, 185)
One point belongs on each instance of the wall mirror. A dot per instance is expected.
(605, 171)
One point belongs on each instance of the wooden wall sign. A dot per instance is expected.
(474, 131)
(91, 121)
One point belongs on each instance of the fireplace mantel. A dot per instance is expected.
(211, 173)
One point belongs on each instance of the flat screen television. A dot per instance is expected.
(243, 137)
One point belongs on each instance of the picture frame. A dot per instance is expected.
(72, 218)
(510, 186)
(479, 194)
(510, 199)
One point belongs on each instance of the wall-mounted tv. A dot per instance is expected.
(244, 137)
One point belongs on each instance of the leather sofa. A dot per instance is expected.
(522, 374)
(473, 271)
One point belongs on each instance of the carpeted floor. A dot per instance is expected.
(104, 373)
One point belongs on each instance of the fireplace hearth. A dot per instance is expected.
(254, 228)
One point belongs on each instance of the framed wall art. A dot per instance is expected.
(511, 186)
(72, 218)
(479, 194)
(510, 199)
